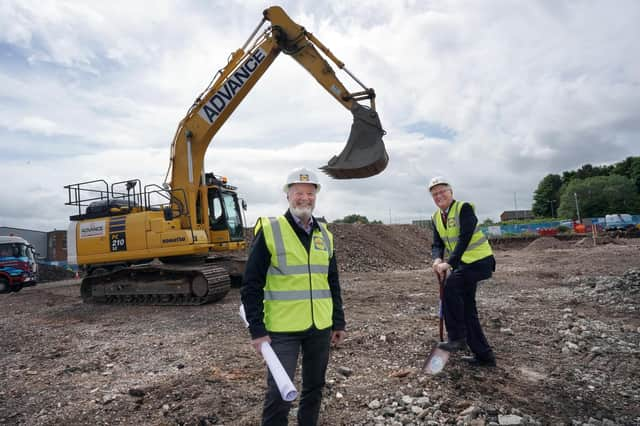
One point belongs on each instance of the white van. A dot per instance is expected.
(613, 222)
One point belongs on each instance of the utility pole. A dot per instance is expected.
(575, 196)
(551, 202)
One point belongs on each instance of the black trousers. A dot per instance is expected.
(314, 344)
(460, 311)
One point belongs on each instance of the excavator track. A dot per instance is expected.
(164, 284)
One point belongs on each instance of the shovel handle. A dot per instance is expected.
(441, 314)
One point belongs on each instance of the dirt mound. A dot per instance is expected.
(543, 243)
(379, 248)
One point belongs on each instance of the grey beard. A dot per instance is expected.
(302, 213)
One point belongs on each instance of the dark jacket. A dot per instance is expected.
(255, 277)
(468, 222)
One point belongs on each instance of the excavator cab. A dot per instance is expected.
(225, 217)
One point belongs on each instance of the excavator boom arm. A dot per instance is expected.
(364, 154)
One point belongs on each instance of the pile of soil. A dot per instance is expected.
(543, 243)
(379, 248)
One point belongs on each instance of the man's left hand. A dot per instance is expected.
(337, 336)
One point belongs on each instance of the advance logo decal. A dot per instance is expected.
(219, 101)
(92, 229)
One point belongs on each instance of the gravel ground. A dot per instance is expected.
(564, 321)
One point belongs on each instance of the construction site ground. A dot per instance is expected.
(562, 316)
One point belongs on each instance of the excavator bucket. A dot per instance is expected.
(365, 154)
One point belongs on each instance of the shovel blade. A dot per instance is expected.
(436, 361)
(365, 154)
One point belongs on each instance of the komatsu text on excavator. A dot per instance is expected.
(178, 243)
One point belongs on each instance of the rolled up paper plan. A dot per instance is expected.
(288, 392)
(243, 315)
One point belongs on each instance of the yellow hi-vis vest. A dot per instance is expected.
(478, 247)
(296, 294)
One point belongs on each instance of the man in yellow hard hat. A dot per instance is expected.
(470, 260)
(291, 296)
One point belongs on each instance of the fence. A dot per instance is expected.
(539, 228)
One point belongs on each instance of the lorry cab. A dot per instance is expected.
(18, 267)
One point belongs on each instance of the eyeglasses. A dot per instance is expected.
(438, 193)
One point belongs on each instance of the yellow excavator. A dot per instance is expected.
(179, 243)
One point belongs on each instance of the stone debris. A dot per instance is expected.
(621, 292)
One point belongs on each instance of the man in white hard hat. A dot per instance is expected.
(470, 260)
(291, 296)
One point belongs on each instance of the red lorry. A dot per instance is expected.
(18, 267)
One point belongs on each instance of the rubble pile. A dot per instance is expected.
(380, 248)
(621, 293)
(609, 350)
(401, 409)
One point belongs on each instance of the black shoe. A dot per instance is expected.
(476, 361)
(453, 345)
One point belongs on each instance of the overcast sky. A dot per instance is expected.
(492, 94)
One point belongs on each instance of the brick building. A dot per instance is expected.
(516, 215)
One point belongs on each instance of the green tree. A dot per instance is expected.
(599, 195)
(352, 218)
(547, 196)
(629, 167)
(586, 171)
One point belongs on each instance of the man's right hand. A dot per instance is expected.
(436, 262)
(257, 343)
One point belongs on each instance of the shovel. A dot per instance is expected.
(437, 359)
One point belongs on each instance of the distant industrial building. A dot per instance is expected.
(516, 215)
(50, 246)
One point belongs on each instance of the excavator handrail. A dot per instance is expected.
(130, 185)
(75, 193)
(167, 194)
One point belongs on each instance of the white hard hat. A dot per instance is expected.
(301, 175)
(438, 180)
